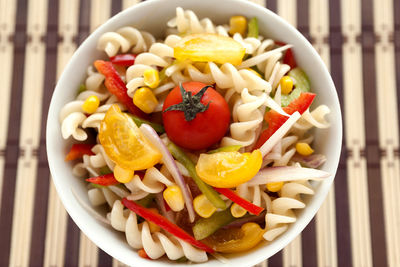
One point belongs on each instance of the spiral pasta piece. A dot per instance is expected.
(156, 244)
(282, 208)
(316, 118)
(267, 58)
(187, 22)
(125, 39)
(247, 119)
(153, 182)
(159, 55)
(94, 80)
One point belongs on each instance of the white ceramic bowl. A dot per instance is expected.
(152, 16)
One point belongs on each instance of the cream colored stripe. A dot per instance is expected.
(7, 22)
(258, 2)
(292, 255)
(128, 3)
(287, 10)
(326, 217)
(88, 251)
(355, 135)
(388, 126)
(100, 11)
(29, 135)
(57, 216)
(55, 231)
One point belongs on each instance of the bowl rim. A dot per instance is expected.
(273, 248)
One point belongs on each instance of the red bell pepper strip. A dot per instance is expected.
(250, 207)
(117, 87)
(276, 120)
(288, 58)
(78, 150)
(165, 224)
(104, 180)
(123, 59)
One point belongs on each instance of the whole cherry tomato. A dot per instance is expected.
(195, 116)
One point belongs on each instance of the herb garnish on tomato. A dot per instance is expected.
(195, 116)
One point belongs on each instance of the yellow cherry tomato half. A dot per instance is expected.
(124, 143)
(205, 47)
(236, 239)
(228, 169)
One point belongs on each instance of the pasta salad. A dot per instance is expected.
(196, 144)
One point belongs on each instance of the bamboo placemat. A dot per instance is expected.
(359, 223)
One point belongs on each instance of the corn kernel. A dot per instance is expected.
(122, 175)
(174, 198)
(238, 24)
(274, 187)
(304, 149)
(145, 100)
(91, 104)
(237, 211)
(203, 206)
(151, 78)
(255, 72)
(152, 226)
(286, 85)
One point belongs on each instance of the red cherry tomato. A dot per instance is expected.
(205, 127)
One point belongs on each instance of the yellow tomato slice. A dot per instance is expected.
(205, 47)
(228, 169)
(236, 239)
(124, 143)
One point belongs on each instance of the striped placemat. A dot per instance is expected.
(359, 223)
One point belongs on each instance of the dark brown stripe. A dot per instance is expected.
(275, 260)
(105, 260)
(308, 245)
(38, 239)
(116, 7)
(12, 148)
(271, 5)
(72, 244)
(84, 21)
(372, 137)
(303, 18)
(341, 190)
(396, 39)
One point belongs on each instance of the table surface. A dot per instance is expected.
(359, 223)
